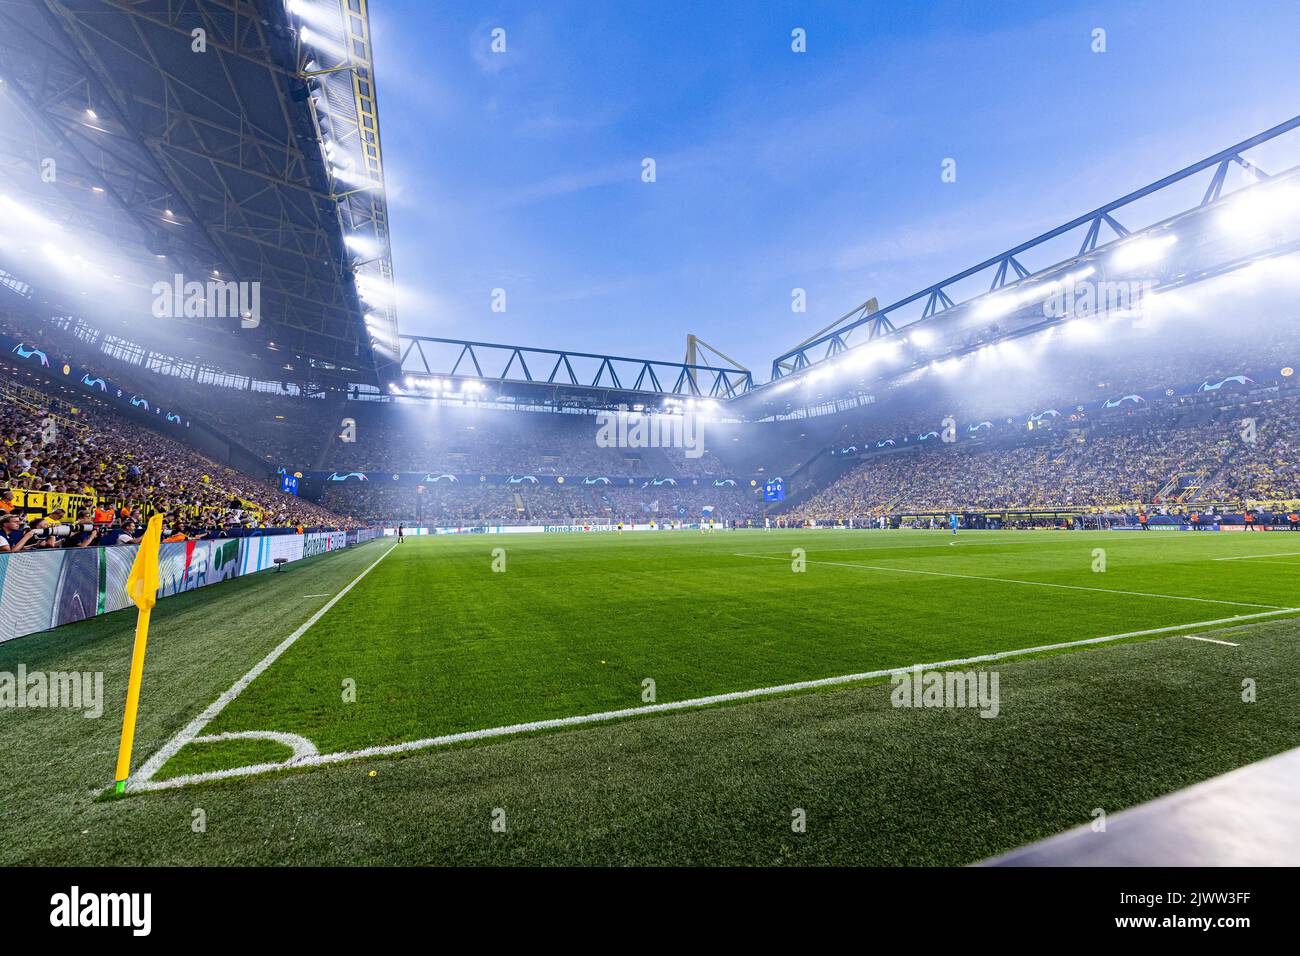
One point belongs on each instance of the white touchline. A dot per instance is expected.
(1257, 557)
(1036, 584)
(192, 729)
(135, 786)
(1209, 640)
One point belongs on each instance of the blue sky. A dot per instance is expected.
(776, 170)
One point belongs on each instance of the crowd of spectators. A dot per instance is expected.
(1177, 458)
(448, 504)
(116, 472)
(1266, 468)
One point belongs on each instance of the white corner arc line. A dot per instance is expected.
(1209, 640)
(694, 703)
(300, 745)
(1038, 584)
(195, 726)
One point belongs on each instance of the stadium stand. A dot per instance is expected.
(65, 452)
(459, 440)
(1171, 459)
(1170, 455)
(445, 504)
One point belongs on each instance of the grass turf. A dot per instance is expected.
(437, 642)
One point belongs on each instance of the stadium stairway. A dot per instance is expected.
(328, 438)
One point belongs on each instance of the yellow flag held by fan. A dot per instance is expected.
(141, 588)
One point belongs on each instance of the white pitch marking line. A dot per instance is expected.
(301, 746)
(922, 547)
(315, 595)
(1276, 564)
(431, 742)
(1257, 557)
(1209, 640)
(192, 729)
(1038, 584)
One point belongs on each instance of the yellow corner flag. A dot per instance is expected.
(142, 588)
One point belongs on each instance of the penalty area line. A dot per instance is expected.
(191, 730)
(692, 704)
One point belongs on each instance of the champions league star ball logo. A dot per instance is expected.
(23, 351)
(1234, 379)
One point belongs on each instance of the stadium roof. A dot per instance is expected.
(225, 140)
(1001, 298)
(438, 367)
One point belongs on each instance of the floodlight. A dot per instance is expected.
(1142, 251)
(321, 43)
(364, 245)
(1259, 208)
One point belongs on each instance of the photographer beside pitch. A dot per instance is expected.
(13, 536)
(51, 532)
(18, 534)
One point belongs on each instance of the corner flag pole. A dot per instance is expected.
(142, 588)
(132, 700)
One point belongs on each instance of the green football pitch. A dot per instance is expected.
(434, 643)
(766, 650)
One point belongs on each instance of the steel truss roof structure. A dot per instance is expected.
(565, 375)
(195, 130)
(1007, 268)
